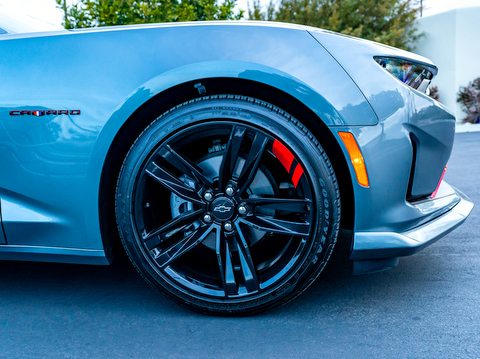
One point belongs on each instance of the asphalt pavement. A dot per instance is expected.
(426, 307)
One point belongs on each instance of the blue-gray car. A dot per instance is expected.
(228, 158)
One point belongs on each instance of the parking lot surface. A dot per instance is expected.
(426, 307)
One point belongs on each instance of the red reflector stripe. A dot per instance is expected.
(297, 174)
(438, 186)
(283, 155)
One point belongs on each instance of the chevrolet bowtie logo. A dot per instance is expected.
(222, 209)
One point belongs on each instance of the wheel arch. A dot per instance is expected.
(153, 106)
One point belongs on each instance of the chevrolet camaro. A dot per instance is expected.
(226, 157)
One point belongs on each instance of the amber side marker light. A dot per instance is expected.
(356, 158)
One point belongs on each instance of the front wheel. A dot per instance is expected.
(228, 205)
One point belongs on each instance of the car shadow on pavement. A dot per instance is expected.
(119, 286)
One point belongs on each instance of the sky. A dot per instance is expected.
(47, 11)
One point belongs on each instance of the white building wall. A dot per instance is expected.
(452, 42)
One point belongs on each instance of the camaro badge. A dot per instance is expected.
(39, 113)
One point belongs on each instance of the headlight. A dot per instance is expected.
(410, 73)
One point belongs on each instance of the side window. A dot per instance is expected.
(2, 31)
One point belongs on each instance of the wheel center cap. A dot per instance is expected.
(223, 208)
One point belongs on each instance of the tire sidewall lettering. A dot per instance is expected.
(279, 126)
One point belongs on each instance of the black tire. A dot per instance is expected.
(228, 205)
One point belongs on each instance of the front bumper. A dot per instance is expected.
(447, 213)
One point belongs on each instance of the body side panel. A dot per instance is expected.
(54, 162)
(387, 148)
(389, 154)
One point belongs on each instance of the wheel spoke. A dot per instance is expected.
(250, 166)
(184, 165)
(174, 226)
(270, 224)
(295, 205)
(172, 183)
(230, 157)
(184, 245)
(235, 250)
(213, 215)
(227, 272)
(246, 263)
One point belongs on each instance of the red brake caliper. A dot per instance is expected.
(288, 161)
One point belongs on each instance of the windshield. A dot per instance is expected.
(14, 22)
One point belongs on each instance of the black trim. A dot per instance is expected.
(1, 227)
(414, 141)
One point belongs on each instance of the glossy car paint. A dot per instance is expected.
(413, 128)
(49, 199)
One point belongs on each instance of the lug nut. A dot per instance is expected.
(207, 218)
(228, 226)
(230, 190)
(242, 209)
(208, 196)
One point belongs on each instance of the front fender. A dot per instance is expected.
(316, 101)
(110, 73)
(222, 69)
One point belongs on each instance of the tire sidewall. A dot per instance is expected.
(281, 126)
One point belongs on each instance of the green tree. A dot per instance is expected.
(256, 13)
(392, 22)
(91, 13)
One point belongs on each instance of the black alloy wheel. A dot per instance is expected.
(228, 205)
